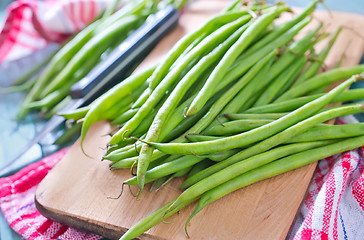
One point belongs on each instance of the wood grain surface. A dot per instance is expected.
(78, 191)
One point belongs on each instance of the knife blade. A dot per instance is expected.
(106, 74)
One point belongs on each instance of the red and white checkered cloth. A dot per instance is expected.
(32, 24)
(17, 204)
(334, 205)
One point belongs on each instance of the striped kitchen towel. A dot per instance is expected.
(17, 204)
(32, 24)
(334, 204)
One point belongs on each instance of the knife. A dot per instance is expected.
(105, 75)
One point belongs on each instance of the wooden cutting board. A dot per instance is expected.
(77, 191)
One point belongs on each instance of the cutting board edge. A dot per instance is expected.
(107, 230)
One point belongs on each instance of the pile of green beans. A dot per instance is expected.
(230, 105)
(49, 92)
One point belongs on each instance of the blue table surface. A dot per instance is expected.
(352, 6)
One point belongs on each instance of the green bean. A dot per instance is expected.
(244, 62)
(280, 81)
(158, 183)
(292, 79)
(289, 105)
(227, 96)
(277, 167)
(122, 153)
(50, 112)
(282, 64)
(234, 5)
(276, 140)
(324, 132)
(320, 80)
(51, 99)
(131, 8)
(112, 97)
(180, 173)
(75, 114)
(178, 128)
(142, 99)
(207, 44)
(125, 116)
(124, 163)
(19, 88)
(257, 134)
(183, 44)
(68, 135)
(315, 66)
(200, 138)
(167, 169)
(281, 29)
(238, 126)
(316, 133)
(88, 50)
(230, 56)
(241, 116)
(220, 156)
(259, 82)
(200, 166)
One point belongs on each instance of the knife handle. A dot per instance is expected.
(125, 56)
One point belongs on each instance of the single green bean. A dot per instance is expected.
(200, 138)
(235, 127)
(123, 153)
(241, 116)
(324, 132)
(75, 114)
